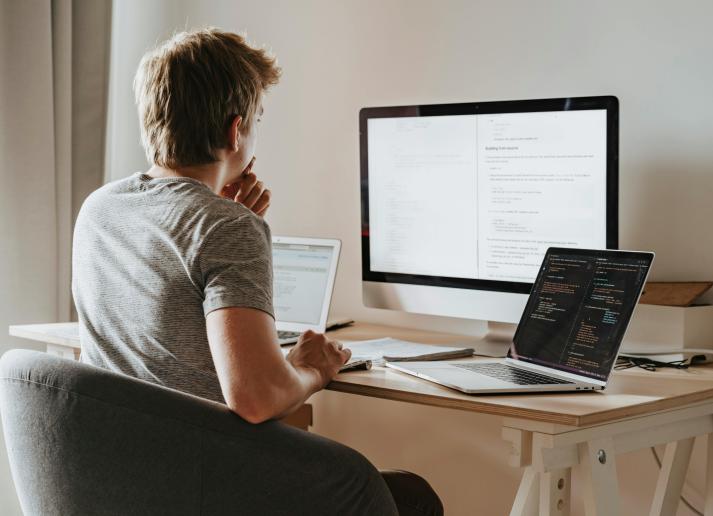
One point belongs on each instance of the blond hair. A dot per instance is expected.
(190, 88)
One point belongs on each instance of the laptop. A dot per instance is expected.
(570, 332)
(303, 279)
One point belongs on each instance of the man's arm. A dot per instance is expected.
(257, 382)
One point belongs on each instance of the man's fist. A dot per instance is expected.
(248, 191)
(315, 351)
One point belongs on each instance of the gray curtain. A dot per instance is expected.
(54, 63)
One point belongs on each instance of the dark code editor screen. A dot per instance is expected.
(578, 311)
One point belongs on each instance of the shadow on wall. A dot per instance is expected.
(667, 207)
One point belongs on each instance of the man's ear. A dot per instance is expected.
(234, 133)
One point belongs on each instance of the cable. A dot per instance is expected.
(683, 498)
(668, 351)
(627, 362)
(695, 355)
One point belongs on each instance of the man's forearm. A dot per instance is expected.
(281, 395)
(309, 384)
(257, 382)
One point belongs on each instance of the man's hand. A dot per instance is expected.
(248, 191)
(316, 352)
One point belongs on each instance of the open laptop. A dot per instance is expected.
(303, 279)
(570, 331)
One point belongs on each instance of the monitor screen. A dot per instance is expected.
(472, 195)
(300, 279)
(579, 309)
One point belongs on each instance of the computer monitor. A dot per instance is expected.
(460, 202)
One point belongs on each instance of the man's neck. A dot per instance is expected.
(213, 175)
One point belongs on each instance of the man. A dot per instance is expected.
(172, 267)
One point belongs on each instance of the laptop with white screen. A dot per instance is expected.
(303, 279)
(570, 331)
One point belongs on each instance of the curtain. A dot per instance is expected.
(54, 62)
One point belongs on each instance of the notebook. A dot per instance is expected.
(387, 349)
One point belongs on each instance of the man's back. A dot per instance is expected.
(151, 258)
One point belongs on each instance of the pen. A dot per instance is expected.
(359, 365)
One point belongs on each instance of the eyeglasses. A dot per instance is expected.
(648, 364)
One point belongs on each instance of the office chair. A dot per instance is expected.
(83, 440)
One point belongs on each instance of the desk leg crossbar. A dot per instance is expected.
(547, 453)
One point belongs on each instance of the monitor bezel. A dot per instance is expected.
(608, 103)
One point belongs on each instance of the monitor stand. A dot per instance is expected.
(497, 340)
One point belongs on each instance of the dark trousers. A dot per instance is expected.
(412, 494)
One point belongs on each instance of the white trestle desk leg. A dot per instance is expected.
(601, 488)
(555, 492)
(548, 452)
(527, 498)
(543, 490)
(708, 509)
(673, 473)
(63, 351)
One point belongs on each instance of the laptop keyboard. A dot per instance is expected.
(288, 334)
(512, 374)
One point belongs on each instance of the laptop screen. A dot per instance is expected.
(300, 279)
(579, 309)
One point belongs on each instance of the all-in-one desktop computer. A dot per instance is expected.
(460, 202)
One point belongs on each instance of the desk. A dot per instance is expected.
(549, 433)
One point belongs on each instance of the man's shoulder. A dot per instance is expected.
(207, 216)
(99, 201)
(218, 211)
(178, 195)
(224, 217)
(107, 191)
(183, 208)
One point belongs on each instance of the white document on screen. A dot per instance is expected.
(484, 196)
(300, 281)
(542, 183)
(422, 214)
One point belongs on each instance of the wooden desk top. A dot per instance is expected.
(630, 393)
(62, 334)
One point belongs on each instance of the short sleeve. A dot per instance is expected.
(235, 263)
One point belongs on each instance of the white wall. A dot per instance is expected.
(136, 27)
(340, 56)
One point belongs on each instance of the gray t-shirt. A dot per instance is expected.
(151, 258)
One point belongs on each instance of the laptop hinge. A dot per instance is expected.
(554, 372)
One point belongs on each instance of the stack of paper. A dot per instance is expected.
(391, 350)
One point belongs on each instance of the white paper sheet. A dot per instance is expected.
(393, 349)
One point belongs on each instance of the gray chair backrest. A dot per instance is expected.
(86, 441)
